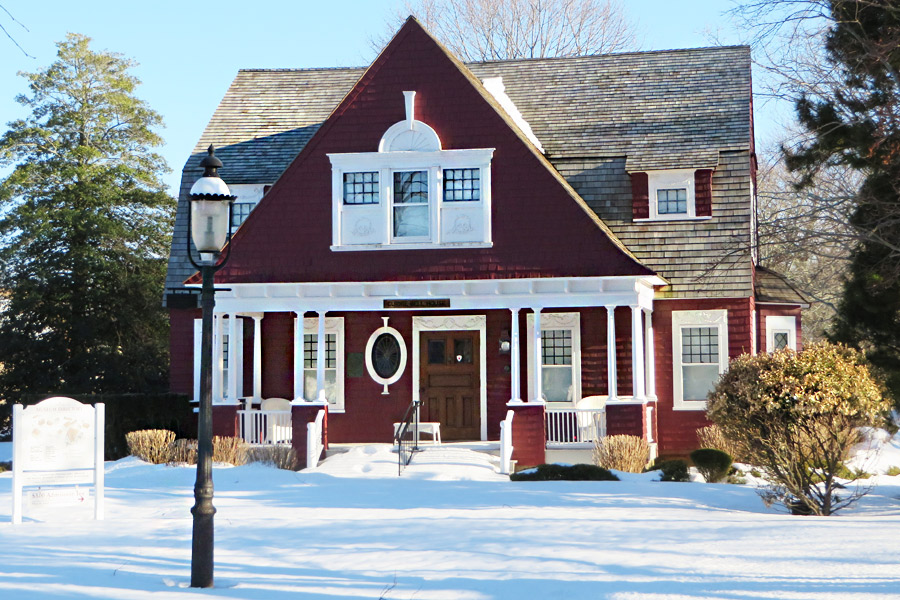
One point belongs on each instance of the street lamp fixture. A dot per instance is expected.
(210, 230)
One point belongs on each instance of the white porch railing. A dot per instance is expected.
(265, 426)
(572, 427)
(506, 447)
(314, 445)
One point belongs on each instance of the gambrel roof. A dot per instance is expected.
(634, 111)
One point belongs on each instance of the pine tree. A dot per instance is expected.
(84, 229)
(858, 125)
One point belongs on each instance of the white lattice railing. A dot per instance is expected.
(568, 427)
(314, 445)
(506, 447)
(265, 426)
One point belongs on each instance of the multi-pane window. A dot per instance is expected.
(225, 363)
(361, 188)
(699, 361)
(462, 185)
(310, 362)
(411, 215)
(781, 339)
(240, 212)
(556, 369)
(671, 201)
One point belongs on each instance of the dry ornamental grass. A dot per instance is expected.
(628, 453)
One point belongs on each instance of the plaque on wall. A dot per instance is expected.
(418, 303)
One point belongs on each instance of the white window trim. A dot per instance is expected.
(570, 321)
(218, 366)
(672, 179)
(775, 324)
(695, 318)
(333, 325)
(370, 365)
(434, 163)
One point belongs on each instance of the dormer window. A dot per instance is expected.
(411, 213)
(361, 188)
(411, 193)
(672, 195)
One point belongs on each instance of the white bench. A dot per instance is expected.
(424, 427)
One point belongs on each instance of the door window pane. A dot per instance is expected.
(436, 352)
(462, 351)
(556, 372)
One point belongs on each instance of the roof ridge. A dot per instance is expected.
(512, 60)
(300, 69)
(609, 55)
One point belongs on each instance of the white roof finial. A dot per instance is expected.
(410, 101)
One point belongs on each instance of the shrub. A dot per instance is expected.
(798, 415)
(552, 472)
(893, 471)
(231, 450)
(183, 452)
(622, 452)
(278, 456)
(712, 436)
(673, 470)
(151, 445)
(712, 463)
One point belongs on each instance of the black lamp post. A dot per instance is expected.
(210, 230)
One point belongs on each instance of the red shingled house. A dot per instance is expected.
(571, 239)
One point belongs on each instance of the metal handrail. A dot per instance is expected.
(405, 446)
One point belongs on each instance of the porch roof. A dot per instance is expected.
(440, 295)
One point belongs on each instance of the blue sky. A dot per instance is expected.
(188, 52)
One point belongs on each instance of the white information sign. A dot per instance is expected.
(57, 442)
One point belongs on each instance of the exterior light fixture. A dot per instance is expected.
(210, 231)
(505, 344)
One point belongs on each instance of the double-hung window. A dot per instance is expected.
(411, 211)
(700, 355)
(334, 361)
(560, 356)
(556, 371)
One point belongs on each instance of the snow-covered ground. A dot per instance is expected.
(450, 528)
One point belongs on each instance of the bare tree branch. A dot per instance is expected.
(477, 30)
(11, 38)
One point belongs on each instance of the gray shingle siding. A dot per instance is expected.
(597, 117)
(707, 258)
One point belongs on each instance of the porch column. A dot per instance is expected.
(298, 357)
(218, 332)
(538, 358)
(320, 359)
(637, 354)
(650, 351)
(233, 344)
(515, 368)
(257, 356)
(612, 390)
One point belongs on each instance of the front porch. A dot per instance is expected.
(581, 349)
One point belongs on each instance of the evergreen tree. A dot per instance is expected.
(857, 124)
(84, 229)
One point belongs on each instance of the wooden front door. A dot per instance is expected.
(451, 386)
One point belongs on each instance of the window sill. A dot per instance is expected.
(417, 246)
(669, 219)
(690, 405)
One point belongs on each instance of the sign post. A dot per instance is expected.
(57, 442)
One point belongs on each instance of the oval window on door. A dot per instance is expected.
(385, 355)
